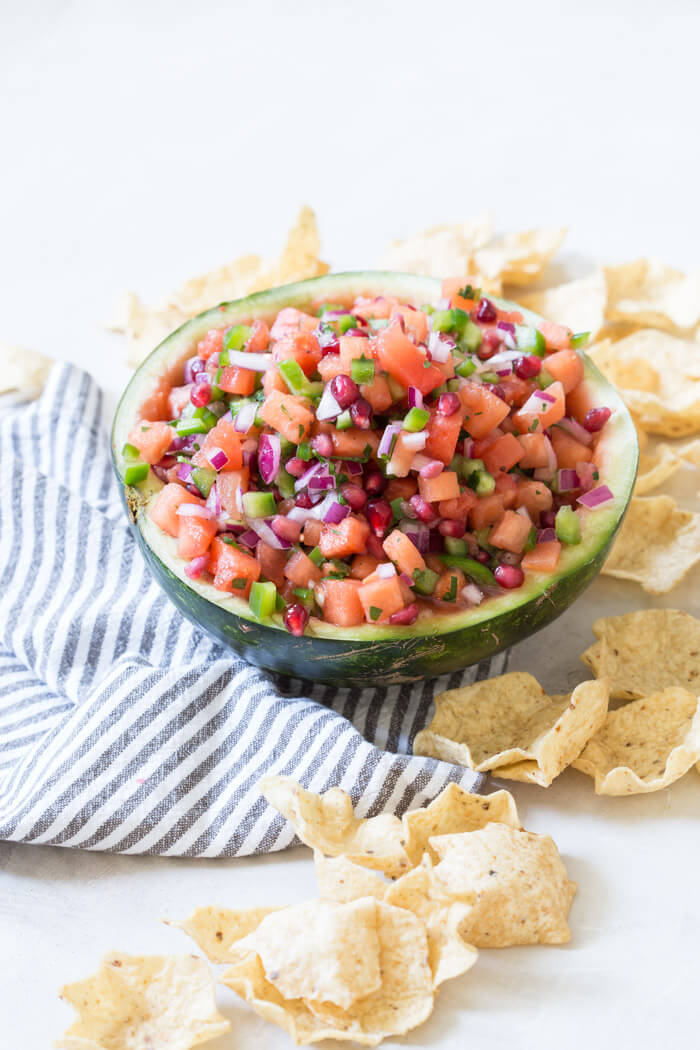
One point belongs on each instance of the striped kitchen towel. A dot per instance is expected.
(122, 726)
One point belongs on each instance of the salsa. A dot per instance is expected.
(373, 462)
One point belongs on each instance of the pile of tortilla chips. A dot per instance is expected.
(510, 727)
(361, 962)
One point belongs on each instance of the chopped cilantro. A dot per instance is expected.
(374, 612)
(239, 583)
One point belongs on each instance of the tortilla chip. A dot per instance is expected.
(646, 651)
(514, 880)
(342, 881)
(579, 304)
(647, 292)
(690, 452)
(510, 726)
(215, 930)
(146, 327)
(657, 544)
(656, 467)
(658, 377)
(518, 258)
(449, 955)
(319, 950)
(645, 745)
(441, 251)
(139, 1001)
(455, 810)
(23, 371)
(327, 823)
(404, 1000)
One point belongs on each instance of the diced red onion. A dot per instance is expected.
(303, 481)
(352, 469)
(251, 362)
(322, 508)
(300, 514)
(321, 482)
(442, 304)
(472, 594)
(405, 578)
(213, 501)
(245, 417)
(469, 448)
(415, 398)
(415, 440)
(596, 497)
(193, 367)
(506, 326)
(197, 566)
(546, 535)
(524, 513)
(249, 538)
(328, 407)
(336, 513)
(439, 347)
(576, 430)
(269, 455)
(417, 532)
(567, 480)
(194, 510)
(217, 457)
(184, 472)
(538, 403)
(387, 440)
(386, 570)
(268, 536)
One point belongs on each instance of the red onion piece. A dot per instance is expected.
(217, 457)
(264, 530)
(405, 578)
(328, 407)
(417, 532)
(415, 398)
(567, 480)
(314, 469)
(269, 454)
(576, 430)
(415, 440)
(387, 440)
(249, 538)
(439, 347)
(245, 417)
(213, 501)
(546, 535)
(184, 472)
(385, 570)
(596, 497)
(251, 362)
(321, 482)
(336, 513)
(194, 510)
(472, 594)
(352, 469)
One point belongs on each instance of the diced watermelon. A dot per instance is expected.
(229, 566)
(223, 436)
(542, 558)
(535, 496)
(443, 435)
(163, 510)
(503, 454)
(484, 410)
(511, 532)
(195, 536)
(235, 380)
(152, 440)
(291, 416)
(444, 486)
(341, 603)
(403, 552)
(567, 367)
(380, 597)
(568, 450)
(408, 363)
(302, 347)
(301, 571)
(347, 537)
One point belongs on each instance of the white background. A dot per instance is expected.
(142, 143)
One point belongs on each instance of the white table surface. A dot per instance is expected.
(143, 143)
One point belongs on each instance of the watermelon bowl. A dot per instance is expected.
(367, 654)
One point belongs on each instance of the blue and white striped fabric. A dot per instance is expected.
(124, 728)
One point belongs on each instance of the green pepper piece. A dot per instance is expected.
(263, 599)
(130, 451)
(530, 340)
(362, 370)
(416, 419)
(135, 473)
(471, 568)
(237, 337)
(425, 581)
(567, 526)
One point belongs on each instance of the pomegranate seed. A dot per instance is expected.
(303, 500)
(452, 527)
(375, 482)
(379, 515)
(200, 394)
(490, 344)
(354, 496)
(596, 418)
(296, 467)
(448, 404)
(374, 547)
(406, 616)
(296, 618)
(498, 390)
(527, 367)
(509, 576)
(423, 509)
(361, 413)
(344, 390)
(486, 311)
(547, 519)
(323, 444)
(483, 557)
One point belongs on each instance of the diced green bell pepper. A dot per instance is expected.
(471, 568)
(567, 526)
(263, 599)
(135, 473)
(258, 504)
(416, 419)
(361, 370)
